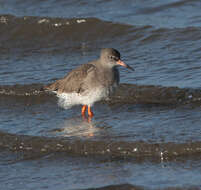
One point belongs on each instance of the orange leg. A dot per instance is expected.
(90, 113)
(83, 110)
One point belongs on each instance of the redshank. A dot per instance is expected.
(89, 82)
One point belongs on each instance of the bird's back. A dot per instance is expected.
(73, 81)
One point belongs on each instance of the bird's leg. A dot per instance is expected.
(90, 113)
(83, 110)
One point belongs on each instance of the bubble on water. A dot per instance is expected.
(81, 21)
(3, 19)
(57, 24)
(43, 21)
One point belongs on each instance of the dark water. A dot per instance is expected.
(146, 137)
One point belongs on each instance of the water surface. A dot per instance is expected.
(147, 136)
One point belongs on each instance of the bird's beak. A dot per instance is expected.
(120, 62)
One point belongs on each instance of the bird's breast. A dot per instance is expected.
(106, 78)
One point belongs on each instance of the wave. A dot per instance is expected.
(133, 187)
(138, 149)
(119, 187)
(126, 93)
(164, 7)
(37, 33)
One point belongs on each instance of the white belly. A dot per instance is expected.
(67, 100)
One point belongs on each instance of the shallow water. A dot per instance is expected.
(135, 138)
(61, 171)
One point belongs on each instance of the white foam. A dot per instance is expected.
(43, 21)
(80, 21)
(3, 20)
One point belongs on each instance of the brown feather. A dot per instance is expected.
(73, 81)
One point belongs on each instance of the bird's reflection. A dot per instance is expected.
(78, 127)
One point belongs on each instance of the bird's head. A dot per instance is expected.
(112, 58)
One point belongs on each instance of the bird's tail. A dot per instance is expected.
(46, 88)
(51, 87)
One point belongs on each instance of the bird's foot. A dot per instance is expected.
(83, 110)
(90, 113)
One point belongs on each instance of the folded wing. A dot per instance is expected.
(73, 81)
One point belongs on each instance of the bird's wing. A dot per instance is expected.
(73, 81)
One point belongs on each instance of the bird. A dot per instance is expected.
(89, 83)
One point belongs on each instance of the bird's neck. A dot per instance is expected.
(104, 65)
(106, 75)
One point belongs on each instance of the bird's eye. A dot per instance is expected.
(113, 58)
